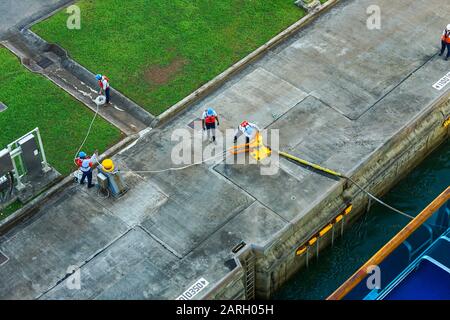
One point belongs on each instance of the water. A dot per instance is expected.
(372, 231)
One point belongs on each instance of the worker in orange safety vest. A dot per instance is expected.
(446, 42)
(209, 119)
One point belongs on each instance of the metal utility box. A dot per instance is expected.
(116, 184)
(102, 181)
(31, 155)
(6, 164)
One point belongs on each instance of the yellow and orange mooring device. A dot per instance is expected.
(256, 148)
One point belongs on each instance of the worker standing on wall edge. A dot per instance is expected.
(103, 83)
(209, 118)
(85, 164)
(446, 42)
(248, 129)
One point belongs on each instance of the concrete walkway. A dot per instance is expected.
(336, 91)
(21, 14)
(18, 14)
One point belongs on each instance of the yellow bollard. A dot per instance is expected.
(261, 151)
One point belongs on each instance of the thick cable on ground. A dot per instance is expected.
(184, 167)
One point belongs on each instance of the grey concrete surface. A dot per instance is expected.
(336, 91)
(40, 254)
(16, 14)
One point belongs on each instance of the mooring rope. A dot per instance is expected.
(340, 175)
(180, 168)
(377, 199)
(87, 133)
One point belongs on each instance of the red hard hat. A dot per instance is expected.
(244, 123)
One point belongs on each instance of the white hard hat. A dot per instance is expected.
(448, 27)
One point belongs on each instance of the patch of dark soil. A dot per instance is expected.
(161, 75)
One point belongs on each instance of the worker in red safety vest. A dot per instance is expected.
(446, 42)
(248, 129)
(103, 83)
(85, 164)
(209, 119)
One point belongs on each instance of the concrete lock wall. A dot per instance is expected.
(384, 169)
(231, 287)
(277, 262)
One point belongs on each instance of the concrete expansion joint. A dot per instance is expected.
(80, 265)
(162, 243)
(246, 191)
(396, 86)
(316, 96)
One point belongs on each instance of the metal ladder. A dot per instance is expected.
(249, 265)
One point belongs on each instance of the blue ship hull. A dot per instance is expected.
(418, 268)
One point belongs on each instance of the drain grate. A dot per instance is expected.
(230, 264)
(44, 63)
(3, 107)
(193, 123)
(3, 258)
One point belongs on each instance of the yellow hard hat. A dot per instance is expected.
(108, 165)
